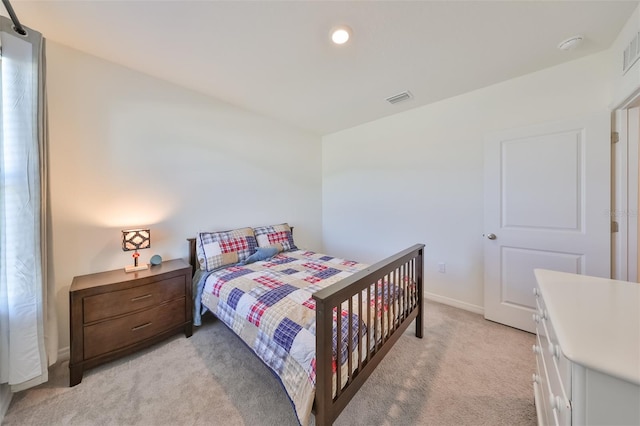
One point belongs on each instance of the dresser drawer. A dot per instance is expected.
(546, 404)
(540, 388)
(120, 332)
(558, 397)
(561, 364)
(552, 347)
(124, 301)
(558, 380)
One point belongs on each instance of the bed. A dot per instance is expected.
(321, 323)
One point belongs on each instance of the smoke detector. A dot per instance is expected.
(570, 43)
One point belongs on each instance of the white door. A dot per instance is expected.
(547, 205)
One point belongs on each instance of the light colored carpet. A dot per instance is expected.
(465, 371)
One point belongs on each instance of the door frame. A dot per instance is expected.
(625, 193)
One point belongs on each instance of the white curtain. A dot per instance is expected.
(27, 324)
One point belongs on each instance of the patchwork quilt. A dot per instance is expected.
(269, 305)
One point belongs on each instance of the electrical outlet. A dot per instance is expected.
(442, 267)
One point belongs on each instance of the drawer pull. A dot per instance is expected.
(536, 349)
(138, 327)
(536, 292)
(536, 318)
(556, 402)
(535, 378)
(146, 296)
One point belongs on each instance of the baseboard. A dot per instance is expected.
(455, 303)
(5, 400)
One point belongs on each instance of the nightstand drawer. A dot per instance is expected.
(124, 331)
(124, 301)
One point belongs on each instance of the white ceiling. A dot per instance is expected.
(275, 57)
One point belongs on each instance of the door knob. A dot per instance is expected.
(491, 236)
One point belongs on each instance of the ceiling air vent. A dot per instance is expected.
(400, 97)
(631, 53)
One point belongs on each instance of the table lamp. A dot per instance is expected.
(136, 239)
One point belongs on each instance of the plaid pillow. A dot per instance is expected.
(217, 249)
(278, 236)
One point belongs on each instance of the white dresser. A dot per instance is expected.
(587, 350)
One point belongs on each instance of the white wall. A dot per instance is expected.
(417, 176)
(624, 85)
(127, 150)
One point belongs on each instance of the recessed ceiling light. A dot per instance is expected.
(570, 43)
(341, 34)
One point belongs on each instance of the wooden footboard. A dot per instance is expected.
(399, 278)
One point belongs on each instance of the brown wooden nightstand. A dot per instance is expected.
(115, 313)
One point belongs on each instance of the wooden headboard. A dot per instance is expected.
(192, 256)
